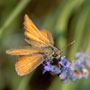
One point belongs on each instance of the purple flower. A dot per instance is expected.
(88, 63)
(51, 68)
(63, 61)
(55, 69)
(66, 70)
(78, 64)
(79, 54)
(47, 66)
(63, 75)
(74, 79)
(80, 75)
(88, 60)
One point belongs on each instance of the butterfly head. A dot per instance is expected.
(57, 53)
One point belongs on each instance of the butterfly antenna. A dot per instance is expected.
(70, 43)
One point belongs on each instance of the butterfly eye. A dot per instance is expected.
(54, 55)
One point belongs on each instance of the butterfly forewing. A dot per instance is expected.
(27, 51)
(33, 33)
(47, 34)
(34, 43)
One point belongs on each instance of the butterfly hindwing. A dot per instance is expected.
(26, 64)
(48, 35)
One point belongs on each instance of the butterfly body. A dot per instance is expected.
(52, 52)
(42, 48)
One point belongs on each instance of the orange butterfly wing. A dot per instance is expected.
(27, 64)
(30, 58)
(34, 43)
(34, 35)
(26, 51)
(45, 33)
(48, 35)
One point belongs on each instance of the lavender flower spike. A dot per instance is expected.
(67, 70)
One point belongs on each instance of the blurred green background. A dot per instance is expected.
(67, 20)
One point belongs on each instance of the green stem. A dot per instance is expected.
(24, 82)
(79, 30)
(18, 9)
(86, 38)
(62, 22)
(81, 20)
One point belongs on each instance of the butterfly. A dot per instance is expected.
(42, 48)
